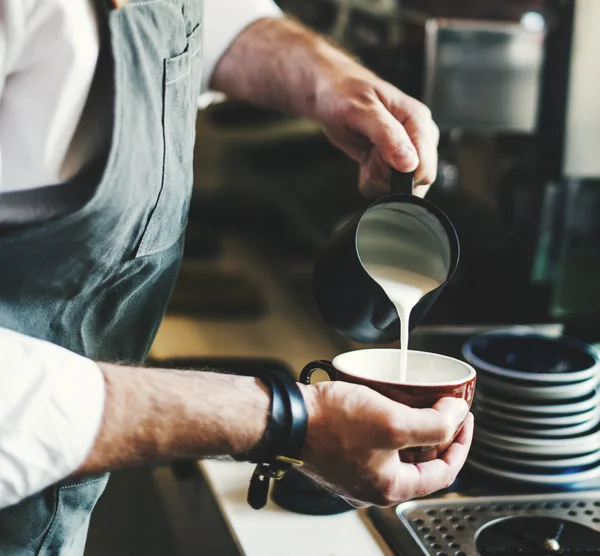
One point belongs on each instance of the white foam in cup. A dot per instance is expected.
(424, 368)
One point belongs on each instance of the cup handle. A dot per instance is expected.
(402, 182)
(309, 370)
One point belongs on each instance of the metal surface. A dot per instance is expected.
(481, 75)
(582, 144)
(435, 527)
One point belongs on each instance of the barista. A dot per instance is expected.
(97, 112)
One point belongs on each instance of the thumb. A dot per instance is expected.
(429, 427)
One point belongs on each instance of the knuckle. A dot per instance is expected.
(345, 109)
(420, 111)
(363, 94)
(395, 431)
(441, 427)
(425, 112)
(356, 104)
(447, 428)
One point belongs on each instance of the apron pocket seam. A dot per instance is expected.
(81, 484)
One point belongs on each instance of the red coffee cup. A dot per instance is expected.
(430, 378)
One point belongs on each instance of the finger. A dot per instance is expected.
(424, 135)
(387, 135)
(422, 479)
(421, 190)
(464, 440)
(465, 437)
(370, 183)
(413, 428)
(375, 175)
(456, 455)
(354, 150)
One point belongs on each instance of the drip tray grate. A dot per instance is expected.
(452, 527)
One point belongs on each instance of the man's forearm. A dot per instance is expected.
(280, 64)
(156, 415)
(276, 63)
(59, 409)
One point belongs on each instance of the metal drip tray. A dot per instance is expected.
(536, 525)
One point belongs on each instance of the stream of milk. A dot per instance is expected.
(405, 289)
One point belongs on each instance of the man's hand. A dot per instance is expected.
(280, 64)
(355, 436)
(378, 126)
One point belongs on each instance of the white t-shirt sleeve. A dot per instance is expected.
(224, 20)
(48, 55)
(51, 408)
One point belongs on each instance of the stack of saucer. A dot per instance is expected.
(537, 408)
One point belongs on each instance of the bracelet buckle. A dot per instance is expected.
(292, 461)
(261, 478)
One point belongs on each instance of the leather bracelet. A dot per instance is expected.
(296, 407)
(284, 438)
(275, 432)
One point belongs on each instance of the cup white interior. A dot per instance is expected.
(383, 365)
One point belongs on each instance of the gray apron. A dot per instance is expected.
(96, 279)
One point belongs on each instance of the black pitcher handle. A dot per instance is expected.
(311, 368)
(402, 182)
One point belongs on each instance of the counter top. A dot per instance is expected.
(274, 531)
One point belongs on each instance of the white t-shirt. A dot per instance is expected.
(51, 400)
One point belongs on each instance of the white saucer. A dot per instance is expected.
(533, 478)
(578, 461)
(590, 401)
(524, 391)
(553, 431)
(573, 446)
(523, 418)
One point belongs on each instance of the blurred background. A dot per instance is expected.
(513, 174)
